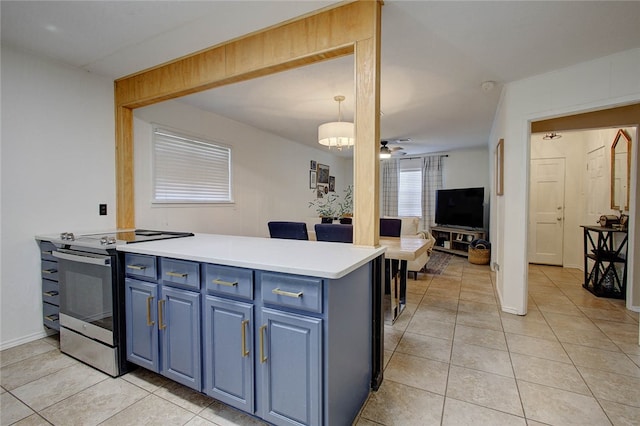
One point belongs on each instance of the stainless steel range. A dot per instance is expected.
(92, 323)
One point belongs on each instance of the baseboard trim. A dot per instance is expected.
(26, 339)
(510, 310)
(507, 309)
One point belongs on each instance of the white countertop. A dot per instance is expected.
(312, 258)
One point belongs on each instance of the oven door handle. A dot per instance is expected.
(102, 260)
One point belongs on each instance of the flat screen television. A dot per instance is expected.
(460, 207)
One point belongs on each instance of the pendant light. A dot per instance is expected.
(337, 134)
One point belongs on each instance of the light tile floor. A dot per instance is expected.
(452, 358)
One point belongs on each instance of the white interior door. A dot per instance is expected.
(546, 211)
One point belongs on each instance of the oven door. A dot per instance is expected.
(86, 293)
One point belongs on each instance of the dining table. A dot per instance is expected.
(399, 250)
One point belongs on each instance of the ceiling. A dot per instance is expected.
(435, 56)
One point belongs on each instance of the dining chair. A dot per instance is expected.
(337, 233)
(288, 230)
(390, 227)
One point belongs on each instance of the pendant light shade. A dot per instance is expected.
(337, 134)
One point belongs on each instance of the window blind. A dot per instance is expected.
(410, 192)
(188, 169)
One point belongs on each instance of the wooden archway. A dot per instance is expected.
(348, 28)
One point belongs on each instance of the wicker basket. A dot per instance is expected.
(479, 256)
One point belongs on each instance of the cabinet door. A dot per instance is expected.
(141, 322)
(228, 352)
(179, 322)
(290, 351)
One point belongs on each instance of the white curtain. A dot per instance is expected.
(390, 187)
(431, 182)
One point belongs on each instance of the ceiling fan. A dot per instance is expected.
(390, 151)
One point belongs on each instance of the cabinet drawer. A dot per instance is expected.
(51, 292)
(50, 270)
(181, 273)
(46, 248)
(293, 291)
(141, 266)
(50, 316)
(228, 280)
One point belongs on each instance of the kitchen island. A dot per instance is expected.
(282, 329)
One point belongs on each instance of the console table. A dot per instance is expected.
(605, 261)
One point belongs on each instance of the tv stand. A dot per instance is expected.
(454, 240)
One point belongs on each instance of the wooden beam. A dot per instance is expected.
(326, 34)
(303, 41)
(367, 147)
(628, 115)
(124, 168)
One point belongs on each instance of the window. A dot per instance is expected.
(410, 192)
(188, 169)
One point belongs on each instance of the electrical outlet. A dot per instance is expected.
(103, 209)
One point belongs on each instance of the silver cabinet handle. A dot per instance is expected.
(50, 293)
(263, 358)
(286, 293)
(49, 271)
(243, 335)
(149, 322)
(137, 267)
(161, 326)
(225, 283)
(177, 274)
(93, 259)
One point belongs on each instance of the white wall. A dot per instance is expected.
(466, 168)
(610, 81)
(270, 175)
(469, 168)
(58, 164)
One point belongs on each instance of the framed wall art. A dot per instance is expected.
(332, 184)
(323, 174)
(312, 179)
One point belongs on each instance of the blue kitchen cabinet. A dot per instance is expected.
(50, 287)
(141, 323)
(179, 325)
(290, 356)
(163, 318)
(166, 324)
(228, 352)
(290, 349)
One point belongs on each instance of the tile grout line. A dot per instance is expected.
(572, 360)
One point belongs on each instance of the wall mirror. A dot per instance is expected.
(620, 171)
